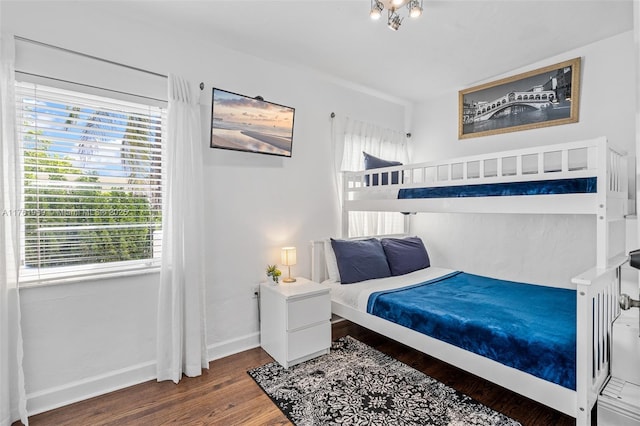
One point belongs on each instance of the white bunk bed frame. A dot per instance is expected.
(597, 289)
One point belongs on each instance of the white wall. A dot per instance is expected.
(90, 337)
(536, 249)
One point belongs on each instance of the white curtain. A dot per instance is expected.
(13, 401)
(383, 143)
(182, 347)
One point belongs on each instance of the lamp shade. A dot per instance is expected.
(288, 256)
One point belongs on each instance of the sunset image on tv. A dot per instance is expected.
(247, 124)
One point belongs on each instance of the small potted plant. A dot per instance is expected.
(273, 273)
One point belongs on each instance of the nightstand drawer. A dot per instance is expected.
(309, 340)
(308, 310)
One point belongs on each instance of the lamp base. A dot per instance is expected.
(289, 280)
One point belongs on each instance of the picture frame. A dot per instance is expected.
(547, 96)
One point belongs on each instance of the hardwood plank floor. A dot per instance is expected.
(226, 395)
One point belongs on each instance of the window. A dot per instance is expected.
(92, 184)
(384, 143)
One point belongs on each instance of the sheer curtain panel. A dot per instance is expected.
(383, 143)
(182, 347)
(13, 400)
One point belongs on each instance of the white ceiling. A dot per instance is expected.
(453, 45)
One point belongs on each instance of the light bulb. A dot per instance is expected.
(376, 11)
(414, 9)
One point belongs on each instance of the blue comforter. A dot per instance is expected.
(528, 327)
(540, 187)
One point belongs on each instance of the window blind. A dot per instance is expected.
(92, 184)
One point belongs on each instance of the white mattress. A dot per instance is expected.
(356, 295)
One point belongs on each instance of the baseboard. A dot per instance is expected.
(233, 346)
(59, 396)
(48, 399)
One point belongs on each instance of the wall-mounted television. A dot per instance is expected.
(242, 123)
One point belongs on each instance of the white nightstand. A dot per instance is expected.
(295, 321)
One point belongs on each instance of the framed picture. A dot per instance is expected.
(243, 123)
(544, 97)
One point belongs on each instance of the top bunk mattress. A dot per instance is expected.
(587, 185)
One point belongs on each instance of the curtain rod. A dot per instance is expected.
(163, 101)
(63, 49)
(333, 115)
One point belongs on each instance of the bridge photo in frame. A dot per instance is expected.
(543, 97)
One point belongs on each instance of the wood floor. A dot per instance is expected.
(226, 395)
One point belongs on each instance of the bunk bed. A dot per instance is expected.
(584, 177)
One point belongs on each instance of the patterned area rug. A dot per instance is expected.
(357, 385)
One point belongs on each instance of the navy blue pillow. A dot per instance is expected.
(360, 260)
(405, 255)
(371, 162)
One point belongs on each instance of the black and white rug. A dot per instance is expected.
(357, 385)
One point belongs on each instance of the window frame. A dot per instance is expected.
(30, 277)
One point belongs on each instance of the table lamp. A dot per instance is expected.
(288, 259)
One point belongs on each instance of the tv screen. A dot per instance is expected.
(242, 123)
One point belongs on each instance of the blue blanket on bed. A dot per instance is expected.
(528, 327)
(540, 187)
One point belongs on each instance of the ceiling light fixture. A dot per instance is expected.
(394, 20)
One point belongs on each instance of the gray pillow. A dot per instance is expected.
(360, 260)
(371, 162)
(405, 255)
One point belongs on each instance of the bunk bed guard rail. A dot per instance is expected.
(581, 177)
